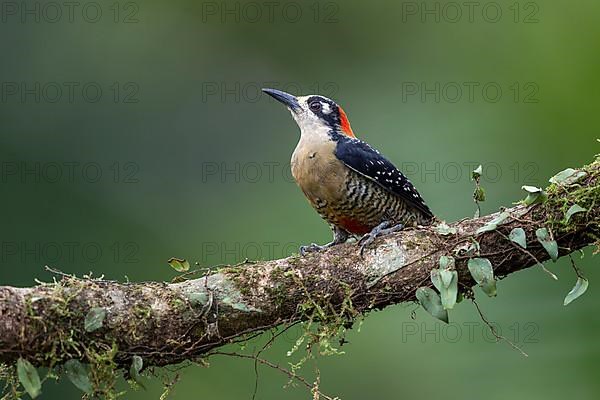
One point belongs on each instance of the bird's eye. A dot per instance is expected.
(315, 106)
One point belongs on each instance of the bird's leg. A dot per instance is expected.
(339, 236)
(383, 228)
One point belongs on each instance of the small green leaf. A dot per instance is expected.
(78, 375)
(179, 264)
(493, 224)
(136, 366)
(535, 198)
(447, 276)
(447, 262)
(580, 287)
(531, 189)
(517, 235)
(489, 287)
(574, 209)
(534, 195)
(436, 279)
(482, 272)
(430, 300)
(479, 194)
(29, 378)
(476, 174)
(443, 229)
(94, 319)
(449, 291)
(567, 176)
(549, 244)
(445, 279)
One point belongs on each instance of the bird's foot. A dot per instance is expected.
(313, 247)
(339, 236)
(383, 228)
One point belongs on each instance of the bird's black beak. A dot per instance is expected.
(289, 100)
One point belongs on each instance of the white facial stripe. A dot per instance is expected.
(311, 126)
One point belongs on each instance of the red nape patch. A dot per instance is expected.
(354, 226)
(344, 123)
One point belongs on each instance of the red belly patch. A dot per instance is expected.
(354, 226)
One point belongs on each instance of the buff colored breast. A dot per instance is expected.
(341, 196)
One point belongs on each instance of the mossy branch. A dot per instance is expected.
(167, 323)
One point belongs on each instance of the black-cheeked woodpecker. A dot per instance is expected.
(350, 184)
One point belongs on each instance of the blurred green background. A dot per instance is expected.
(138, 134)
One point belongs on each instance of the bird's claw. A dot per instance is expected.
(365, 241)
(311, 248)
(381, 229)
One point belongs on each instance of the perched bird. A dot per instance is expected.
(351, 185)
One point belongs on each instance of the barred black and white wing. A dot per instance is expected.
(363, 159)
